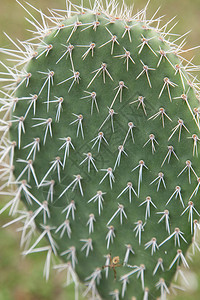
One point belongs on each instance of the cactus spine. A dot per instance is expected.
(103, 125)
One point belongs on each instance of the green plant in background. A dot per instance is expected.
(101, 125)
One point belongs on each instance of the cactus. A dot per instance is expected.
(103, 123)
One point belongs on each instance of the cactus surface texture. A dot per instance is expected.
(101, 125)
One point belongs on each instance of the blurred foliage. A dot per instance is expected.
(21, 278)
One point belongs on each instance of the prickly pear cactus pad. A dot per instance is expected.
(101, 125)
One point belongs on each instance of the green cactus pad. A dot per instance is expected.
(104, 132)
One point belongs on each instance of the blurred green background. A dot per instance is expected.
(21, 279)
